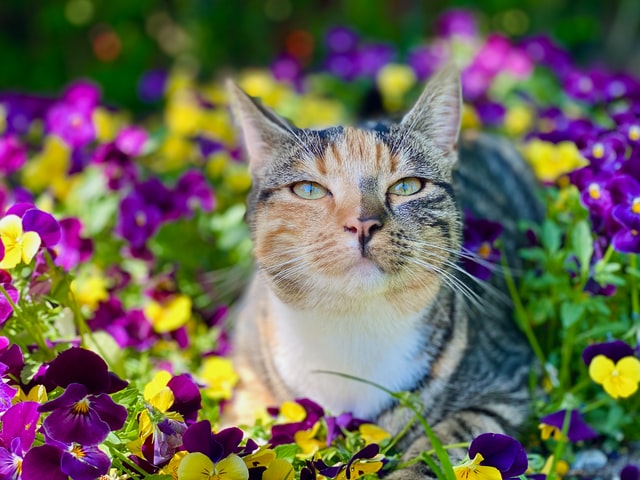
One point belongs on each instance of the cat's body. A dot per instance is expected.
(356, 235)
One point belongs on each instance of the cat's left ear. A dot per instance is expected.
(436, 114)
(264, 132)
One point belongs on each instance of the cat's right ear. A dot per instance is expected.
(264, 132)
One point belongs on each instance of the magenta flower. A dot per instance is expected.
(13, 154)
(457, 23)
(72, 248)
(119, 168)
(5, 306)
(7, 392)
(19, 425)
(35, 220)
(187, 400)
(131, 140)
(191, 190)
(128, 328)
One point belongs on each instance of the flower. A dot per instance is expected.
(479, 249)
(169, 315)
(630, 472)
(365, 461)
(84, 413)
(72, 249)
(13, 154)
(552, 425)
(493, 456)
(614, 366)
(219, 377)
(19, 246)
(19, 424)
(550, 161)
(212, 455)
(6, 306)
(58, 462)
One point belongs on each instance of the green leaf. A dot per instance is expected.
(551, 236)
(582, 243)
(570, 313)
(287, 451)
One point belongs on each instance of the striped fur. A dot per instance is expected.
(388, 305)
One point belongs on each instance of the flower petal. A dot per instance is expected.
(600, 368)
(42, 223)
(85, 463)
(195, 466)
(114, 414)
(43, 462)
(10, 228)
(232, 468)
(30, 244)
(629, 367)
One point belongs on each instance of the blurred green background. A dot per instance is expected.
(46, 43)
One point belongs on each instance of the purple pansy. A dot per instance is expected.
(72, 249)
(138, 220)
(630, 472)
(578, 429)
(370, 58)
(287, 69)
(5, 306)
(119, 168)
(131, 140)
(191, 190)
(457, 23)
(341, 39)
(152, 85)
(7, 392)
(614, 350)
(344, 422)
(79, 417)
(479, 250)
(129, 328)
(199, 438)
(186, 397)
(427, 59)
(13, 154)
(626, 191)
(59, 462)
(166, 440)
(501, 452)
(366, 453)
(284, 433)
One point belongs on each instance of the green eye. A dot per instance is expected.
(406, 186)
(309, 190)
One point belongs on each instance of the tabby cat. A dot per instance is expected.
(357, 235)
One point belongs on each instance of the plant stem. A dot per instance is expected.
(635, 304)
(522, 317)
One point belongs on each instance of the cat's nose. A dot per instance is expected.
(363, 227)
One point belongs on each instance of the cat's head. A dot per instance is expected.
(351, 214)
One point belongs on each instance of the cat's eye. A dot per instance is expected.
(406, 186)
(309, 190)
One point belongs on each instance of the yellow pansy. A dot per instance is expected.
(293, 412)
(48, 167)
(394, 81)
(472, 470)
(157, 393)
(90, 289)
(261, 458)
(307, 441)
(469, 117)
(279, 469)
(197, 466)
(549, 431)
(619, 379)
(360, 468)
(36, 394)
(372, 433)
(169, 315)
(106, 124)
(550, 161)
(518, 120)
(220, 376)
(19, 246)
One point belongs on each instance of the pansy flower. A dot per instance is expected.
(73, 248)
(630, 472)
(366, 461)
(13, 154)
(480, 252)
(6, 304)
(614, 366)
(299, 420)
(493, 456)
(578, 430)
(212, 455)
(57, 461)
(19, 424)
(84, 413)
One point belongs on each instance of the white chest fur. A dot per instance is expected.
(375, 345)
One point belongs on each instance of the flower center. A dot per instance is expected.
(141, 219)
(598, 150)
(485, 250)
(77, 452)
(635, 205)
(81, 407)
(585, 84)
(594, 191)
(634, 133)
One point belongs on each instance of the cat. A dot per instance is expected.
(357, 237)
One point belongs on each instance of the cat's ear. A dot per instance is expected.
(436, 113)
(263, 131)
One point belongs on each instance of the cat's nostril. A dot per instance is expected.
(350, 229)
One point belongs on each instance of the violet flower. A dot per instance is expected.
(13, 154)
(59, 462)
(131, 140)
(6, 309)
(138, 220)
(287, 69)
(72, 248)
(630, 472)
(7, 392)
(371, 58)
(578, 429)
(151, 85)
(187, 400)
(457, 23)
(84, 413)
(285, 433)
(199, 438)
(479, 250)
(615, 350)
(426, 60)
(191, 190)
(119, 168)
(128, 328)
(341, 39)
(35, 220)
(497, 451)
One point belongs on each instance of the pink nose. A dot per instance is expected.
(363, 228)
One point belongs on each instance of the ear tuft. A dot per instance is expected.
(263, 131)
(436, 113)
